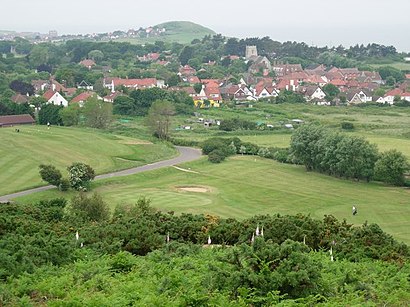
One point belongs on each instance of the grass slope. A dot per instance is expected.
(244, 186)
(22, 153)
(182, 32)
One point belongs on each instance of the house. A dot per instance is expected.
(112, 83)
(83, 97)
(286, 69)
(313, 92)
(111, 97)
(357, 96)
(238, 92)
(317, 79)
(19, 98)
(209, 96)
(150, 57)
(88, 63)
(186, 70)
(390, 95)
(265, 89)
(55, 98)
(260, 64)
(12, 120)
(86, 86)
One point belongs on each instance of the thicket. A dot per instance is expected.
(261, 260)
(342, 155)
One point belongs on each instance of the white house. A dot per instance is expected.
(55, 98)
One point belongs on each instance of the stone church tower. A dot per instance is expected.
(251, 51)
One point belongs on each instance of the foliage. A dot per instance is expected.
(92, 209)
(391, 168)
(50, 174)
(70, 115)
(159, 118)
(237, 124)
(97, 113)
(347, 125)
(216, 156)
(80, 175)
(22, 87)
(50, 113)
(332, 153)
(331, 91)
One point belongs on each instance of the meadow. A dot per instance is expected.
(245, 186)
(22, 152)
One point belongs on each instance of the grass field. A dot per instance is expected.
(21, 153)
(398, 65)
(245, 186)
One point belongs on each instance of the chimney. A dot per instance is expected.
(53, 87)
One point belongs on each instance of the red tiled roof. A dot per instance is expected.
(87, 63)
(338, 82)
(394, 92)
(147, 82)
(82, 97)
(47, 95)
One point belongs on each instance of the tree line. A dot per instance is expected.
(341, 155)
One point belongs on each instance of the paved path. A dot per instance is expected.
(186, 154)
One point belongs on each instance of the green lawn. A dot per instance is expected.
(244, 186)
(21, 153)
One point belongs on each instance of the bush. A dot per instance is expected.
(347, 126)
(80, 176)
(64, 185)
(216, 156)
(92, 209)
(391, 167)
(50, 174)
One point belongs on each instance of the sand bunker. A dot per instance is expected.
(194, 189)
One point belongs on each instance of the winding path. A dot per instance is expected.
(186, 154)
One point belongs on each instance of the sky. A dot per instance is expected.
(315, 22)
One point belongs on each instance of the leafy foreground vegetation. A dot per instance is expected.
(125, 259)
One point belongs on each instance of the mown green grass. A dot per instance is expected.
(245, 186)
(21, 153)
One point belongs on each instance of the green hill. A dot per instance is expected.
(176, 31)
(185, 27)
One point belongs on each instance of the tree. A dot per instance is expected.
(50, 113)
(50, 174)
(38, 55)
(92, 209)
(198, 87)
(96, 55)
(124, 105)
(70, 115)
(98, 114)
(80, 175)
(160, 117)
(391, 167)
(303, 145)
(331, 91)
(22, 87)
(186, 54)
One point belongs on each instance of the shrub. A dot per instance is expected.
(92, 209)
(216, 156)
(347, 126)
(64, 185)
(80, 176)
(391, 167)
(50, 174)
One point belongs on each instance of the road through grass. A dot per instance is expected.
(21, 153)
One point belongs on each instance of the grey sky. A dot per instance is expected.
(318, 22)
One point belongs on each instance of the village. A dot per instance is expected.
(263, 80)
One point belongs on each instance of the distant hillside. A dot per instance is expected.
(175, 31)
(185, 27)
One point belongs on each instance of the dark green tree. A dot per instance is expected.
(391, 167)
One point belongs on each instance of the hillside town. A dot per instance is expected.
(264, 80)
